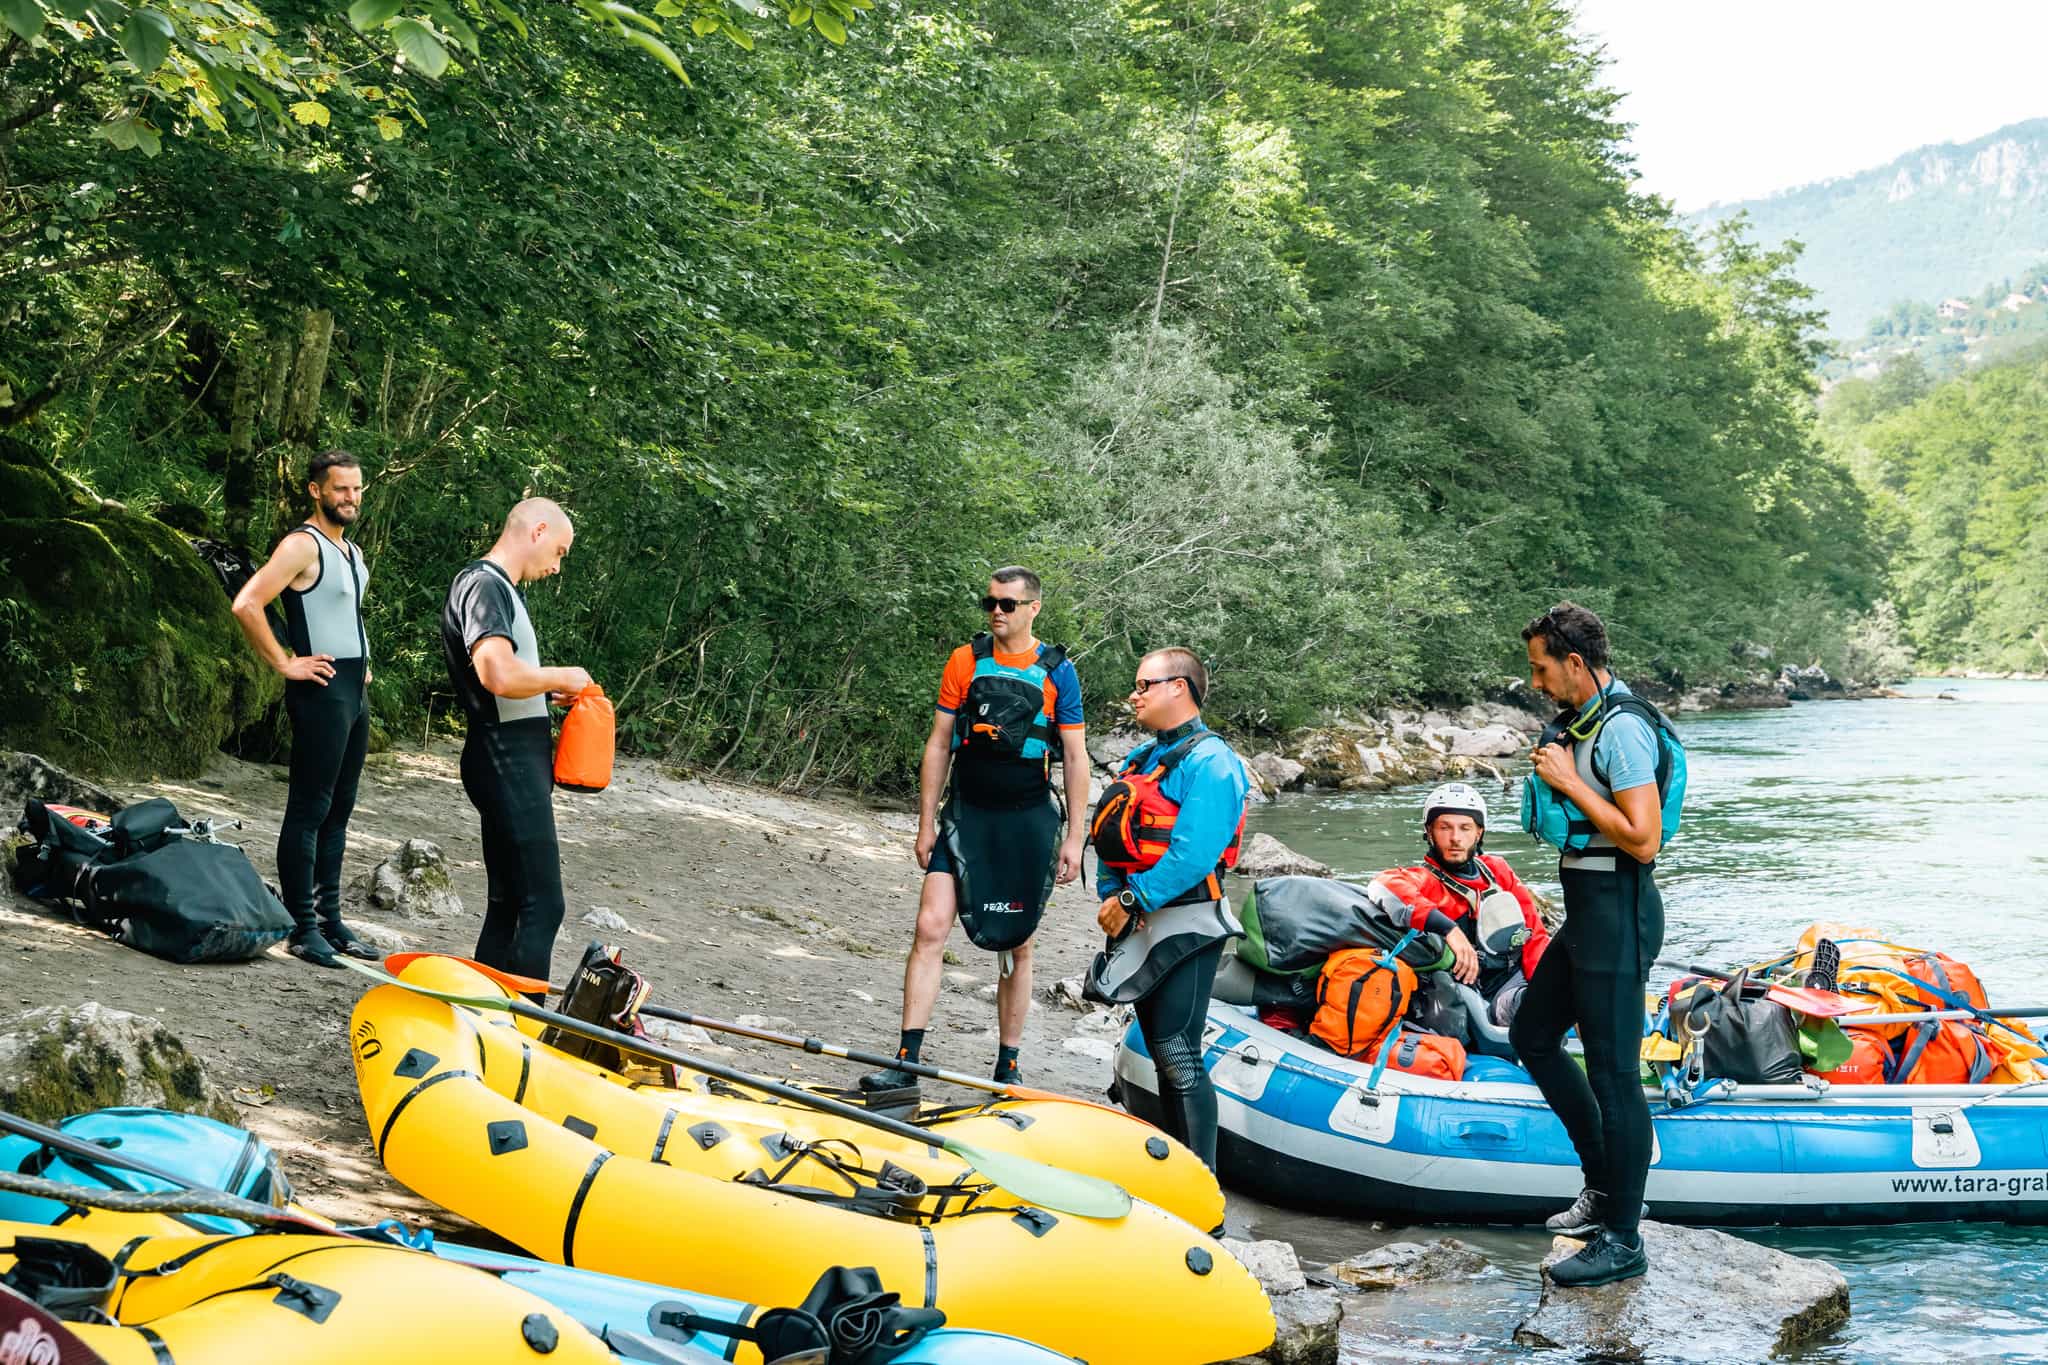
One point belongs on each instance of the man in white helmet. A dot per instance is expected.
(1473, 899)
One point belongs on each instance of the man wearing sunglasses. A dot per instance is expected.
(1601, 756)
(1009, 707)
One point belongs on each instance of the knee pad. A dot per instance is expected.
(1179, 1063)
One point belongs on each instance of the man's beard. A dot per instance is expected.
(341, 514)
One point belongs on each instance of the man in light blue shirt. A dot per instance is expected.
(1600, 757)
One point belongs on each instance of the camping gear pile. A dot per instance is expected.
(1846, 1005)
(151, 879)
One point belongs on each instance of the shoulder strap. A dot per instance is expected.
(1660, 729)
(1178, 750)
(1050, 657)
(983, 645)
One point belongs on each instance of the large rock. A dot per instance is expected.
(1280, 772)
(1492, 741)
(60, 1060)
(1750, 1302)
(412, 882)
(26, 775)
(1400, 1264)
(1329, 756)
(134, 660)
(1274, 1264)
(1265, 856)
(1305, 1328)
(1110, 748)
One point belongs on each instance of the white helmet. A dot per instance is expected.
(1454, 798)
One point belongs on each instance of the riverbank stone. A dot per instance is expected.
(413, 882)
(59, 1060)
(1305, 1319)
(1705, 1289)
(1279, 772)
(24, 776)
(1265, 856)
(1400, 1264)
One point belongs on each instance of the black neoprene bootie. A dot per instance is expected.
(343, 940)
(310, 945)
(888, 1078)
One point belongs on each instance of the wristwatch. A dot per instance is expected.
(1128, 899)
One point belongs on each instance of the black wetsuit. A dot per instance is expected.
(508, 770)
(330, 732)
(1593, 975)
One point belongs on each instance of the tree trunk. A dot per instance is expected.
(242, 481)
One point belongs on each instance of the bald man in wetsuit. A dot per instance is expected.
(508, 755)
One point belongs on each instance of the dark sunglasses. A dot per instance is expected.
(1006, 605)
(1147, 684)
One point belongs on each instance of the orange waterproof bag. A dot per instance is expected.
(1359, 996)
(1870, 1056)
(1424, 1054)
(583, 751)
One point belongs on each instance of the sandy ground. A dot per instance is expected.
(739, 901)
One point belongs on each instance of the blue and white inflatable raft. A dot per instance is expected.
(1303, 1127)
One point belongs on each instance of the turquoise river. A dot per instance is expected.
(1925, 818)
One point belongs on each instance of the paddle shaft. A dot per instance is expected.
(97, 1159)
(1930, 1016)
(789, 1094)
(845, 1054)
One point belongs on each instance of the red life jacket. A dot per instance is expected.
(1134, 822)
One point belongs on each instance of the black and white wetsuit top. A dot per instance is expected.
(327, 618)
(482, 602)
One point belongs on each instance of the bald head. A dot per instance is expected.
(530, 513)
(537, 535)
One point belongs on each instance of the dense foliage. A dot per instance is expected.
(1327, 340)
(1948, 336)
(1959, 472)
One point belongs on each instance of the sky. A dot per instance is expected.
(1733, 99)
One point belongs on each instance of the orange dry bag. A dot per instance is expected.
(583, 751)
(1361, 993)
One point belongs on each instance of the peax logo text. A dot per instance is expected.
(1002, 907)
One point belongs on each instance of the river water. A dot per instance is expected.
(1924, 818)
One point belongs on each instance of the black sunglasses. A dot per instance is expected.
(1147, 684)
(1005, 604)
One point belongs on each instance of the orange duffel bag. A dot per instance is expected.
(1423, 1054)
(1944, 1052)
(1361, 994)
(1870, 1058)
(583, 751)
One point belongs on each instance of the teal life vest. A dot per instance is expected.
(1559, 822)
(1002, 737)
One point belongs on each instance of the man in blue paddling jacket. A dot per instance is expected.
(320, 574)
(1164, 832)
(1604, 762)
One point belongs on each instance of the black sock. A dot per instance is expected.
(910, 1045)
(1006, 1061)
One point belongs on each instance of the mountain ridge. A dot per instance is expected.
(1937, 220)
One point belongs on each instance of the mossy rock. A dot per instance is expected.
(99, 1058)
(117, 649)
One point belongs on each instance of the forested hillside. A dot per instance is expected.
(1934, 222)
(1960, 478)
(1325, 339)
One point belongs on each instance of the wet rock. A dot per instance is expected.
(24, 775)
(1399, 1264)
(1329, 756)
(1305, 1327)
(1750, 1301)
(1273, 1264)
(412, 882)
(1265, 856)
(1280, 772)
(606, 920)
(59, 1060)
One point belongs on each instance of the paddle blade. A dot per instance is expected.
(1034, 1182)
(396, 963)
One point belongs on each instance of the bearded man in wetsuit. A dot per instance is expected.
(1604, 763)
(508, 766)
(320, 574)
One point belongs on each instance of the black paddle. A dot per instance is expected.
(1084, 1196)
